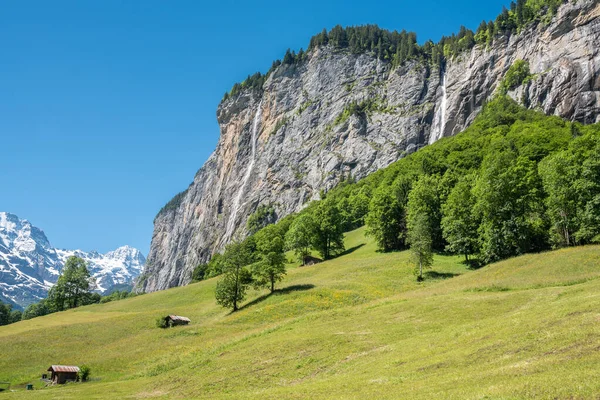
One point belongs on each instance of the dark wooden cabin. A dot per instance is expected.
(310, 260)
(63, 373)
(175, 320)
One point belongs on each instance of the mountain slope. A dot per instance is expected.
(340, 114)
(355, 327)
(29, 265)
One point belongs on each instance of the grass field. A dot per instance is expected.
(359, 326)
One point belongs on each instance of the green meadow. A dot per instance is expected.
(355, 327)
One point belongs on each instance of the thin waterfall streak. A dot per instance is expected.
(444, 106)
(240, 193)
(440, 117)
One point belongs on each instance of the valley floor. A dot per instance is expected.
(359, 326)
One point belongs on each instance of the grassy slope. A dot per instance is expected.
(355, 327)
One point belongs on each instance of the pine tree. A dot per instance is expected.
(481, 35)
(288, 58)
(491, 33)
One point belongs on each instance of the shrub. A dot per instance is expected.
(161, 322)
(264, 214)
(199, 272)
(84, 373)
(516, 75)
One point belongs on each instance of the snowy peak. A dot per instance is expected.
(117, 268)
(29, 265)
(20, 234)
(127, 254)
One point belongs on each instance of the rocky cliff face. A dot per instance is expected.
(283, 146)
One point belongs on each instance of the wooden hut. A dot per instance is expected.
(175, 320)
(310, 260)
(63, 373)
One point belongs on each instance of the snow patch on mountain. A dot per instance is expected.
(29, 265)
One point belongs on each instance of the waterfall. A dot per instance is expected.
(444, 106)
(236, 202)
(440, 115)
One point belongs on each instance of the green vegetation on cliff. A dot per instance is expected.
(517, 74)
(173, 204)
(398, 47)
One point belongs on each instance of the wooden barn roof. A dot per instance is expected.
(179, 318)
(63, 368)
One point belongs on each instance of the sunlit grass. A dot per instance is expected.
(359, 326)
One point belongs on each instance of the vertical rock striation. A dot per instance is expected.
(285, 144)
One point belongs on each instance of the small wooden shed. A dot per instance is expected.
(310, 260)
(63, 373)
(175, 320)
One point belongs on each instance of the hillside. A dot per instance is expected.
(358, 326)
(339, 111)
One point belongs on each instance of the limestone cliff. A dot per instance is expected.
(281, 146)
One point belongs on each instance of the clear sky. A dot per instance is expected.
(108, 107)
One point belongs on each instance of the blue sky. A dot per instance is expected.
(108, 108)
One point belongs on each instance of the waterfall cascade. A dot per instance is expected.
(437, 131)
(236, 202)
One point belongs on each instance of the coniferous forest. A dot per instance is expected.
(398, 47)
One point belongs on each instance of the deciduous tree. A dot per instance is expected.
(510, 205)
(73, 287)
(329, 233)
(231, 288)
(271, 265)
(424, 202)
(459, 223)
(299, 237)
(386, 220)
(419, 238)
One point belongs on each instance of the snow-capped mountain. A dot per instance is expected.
(118, 267)
(29, 265)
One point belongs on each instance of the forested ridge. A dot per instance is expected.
(398, 47)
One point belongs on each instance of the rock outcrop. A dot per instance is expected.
(284, 145)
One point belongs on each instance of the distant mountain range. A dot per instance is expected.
(29, 265)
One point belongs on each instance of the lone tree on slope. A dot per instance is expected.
(231, 289)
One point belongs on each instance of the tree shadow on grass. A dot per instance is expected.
(391, 251)
(439, 275)
(278, 292)
(474, 264)
(350, 250)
